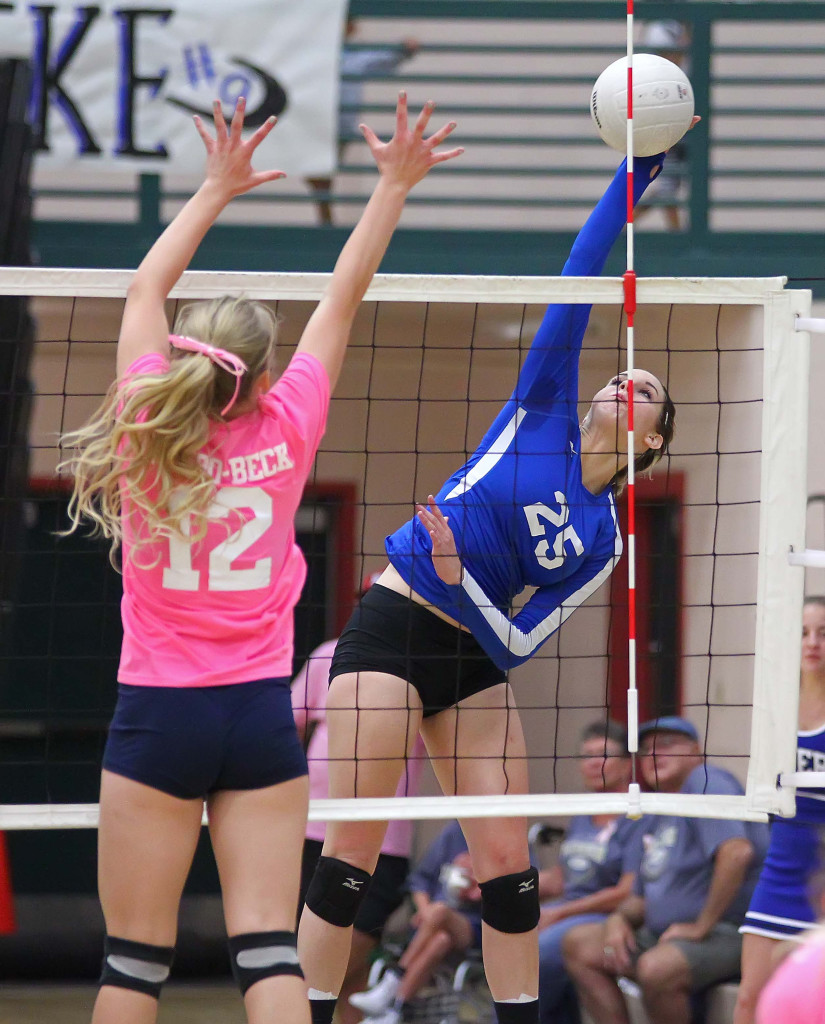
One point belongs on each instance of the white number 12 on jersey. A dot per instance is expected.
(221, 576)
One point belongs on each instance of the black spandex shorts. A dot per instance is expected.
(389, 633)
(385, 893)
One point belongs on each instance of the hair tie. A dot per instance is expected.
(219, 356)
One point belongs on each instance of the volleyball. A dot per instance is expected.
(662, 104)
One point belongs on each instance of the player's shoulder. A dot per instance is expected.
(301, 392)
(303, 369)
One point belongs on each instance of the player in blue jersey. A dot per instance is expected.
(781, 907)
(429, 646)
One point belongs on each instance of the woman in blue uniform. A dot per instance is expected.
(429, 646)
(781, 907)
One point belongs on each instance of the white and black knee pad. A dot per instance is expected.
(336, 891)
(136, 965)
(259, 955)
(510, 903)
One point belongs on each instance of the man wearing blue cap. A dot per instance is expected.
(678, 933)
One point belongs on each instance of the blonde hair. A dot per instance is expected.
(146, 435)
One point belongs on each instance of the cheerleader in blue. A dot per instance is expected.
(781, 907)
(429, 646)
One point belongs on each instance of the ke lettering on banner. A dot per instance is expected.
(116, 86)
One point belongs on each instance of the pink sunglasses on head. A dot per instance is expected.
(220, 357)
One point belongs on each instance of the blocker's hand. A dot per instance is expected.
(408, 156)
(229, 156)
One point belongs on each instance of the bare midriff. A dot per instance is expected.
(392, 579)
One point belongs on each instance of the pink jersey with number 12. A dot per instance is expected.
(219, 610)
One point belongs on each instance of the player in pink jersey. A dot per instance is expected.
(796, 992)
(195, 464)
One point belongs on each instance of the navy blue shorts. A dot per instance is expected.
(191, 741)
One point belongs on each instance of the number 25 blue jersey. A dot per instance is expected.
(518, 509)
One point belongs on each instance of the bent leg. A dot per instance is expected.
(460, 742)
(441, 920)
(683, 966)
(373, 720)
(599, 994)
(146, 841)
(257, 836)
(420, 967)
(664, 977)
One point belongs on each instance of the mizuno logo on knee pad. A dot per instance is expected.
(336, 891)
(510, 903)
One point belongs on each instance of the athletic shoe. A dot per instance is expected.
(378, 998)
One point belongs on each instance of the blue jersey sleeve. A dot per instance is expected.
(511, 641)
(550, 371)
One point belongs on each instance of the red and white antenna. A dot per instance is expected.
(630, 310)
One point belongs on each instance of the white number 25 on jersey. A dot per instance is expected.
(565, 535)
(221, 576)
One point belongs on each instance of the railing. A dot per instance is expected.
(516, 75)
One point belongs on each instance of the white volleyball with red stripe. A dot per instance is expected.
(662, 104)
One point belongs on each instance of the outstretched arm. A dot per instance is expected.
(402, 162)
(549, 371)
(604, 225)
(229, 173)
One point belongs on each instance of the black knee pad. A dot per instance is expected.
(336, 891)
(259, 955)
(510, 903)
(136, 965)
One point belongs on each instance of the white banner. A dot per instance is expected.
(116, 86)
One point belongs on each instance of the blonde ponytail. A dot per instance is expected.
(147, 434)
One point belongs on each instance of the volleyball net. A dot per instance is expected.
(431, 362)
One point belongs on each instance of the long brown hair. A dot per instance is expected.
(146, 435)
